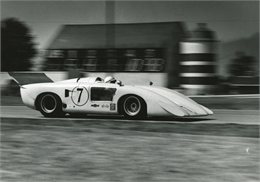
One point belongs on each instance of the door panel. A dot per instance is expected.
(102, 94)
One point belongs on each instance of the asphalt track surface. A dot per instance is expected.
(245, 117)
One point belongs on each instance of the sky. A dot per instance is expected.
(230, 20)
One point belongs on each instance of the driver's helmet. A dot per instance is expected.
(110, 79)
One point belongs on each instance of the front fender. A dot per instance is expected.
(173, 109)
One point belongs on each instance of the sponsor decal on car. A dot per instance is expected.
(105, 106)
(94, 105)
(112, 106)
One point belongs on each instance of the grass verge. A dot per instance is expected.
(56, 150)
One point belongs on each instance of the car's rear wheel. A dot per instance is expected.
(50, 105)
(134, 107)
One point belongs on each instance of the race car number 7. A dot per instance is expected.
(80, 89)
(80, 96)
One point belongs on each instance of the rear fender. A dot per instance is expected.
(26, 98)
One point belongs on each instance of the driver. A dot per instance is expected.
(110, 79)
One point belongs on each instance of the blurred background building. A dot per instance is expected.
(198, 61)
(132, 49)
(164, 53)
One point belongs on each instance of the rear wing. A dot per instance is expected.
(29, 78)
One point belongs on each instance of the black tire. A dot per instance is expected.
(134, 107)
(50, 105)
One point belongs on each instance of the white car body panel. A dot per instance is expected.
(77, 97)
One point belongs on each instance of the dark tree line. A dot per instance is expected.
(17, 47)
(242, 65)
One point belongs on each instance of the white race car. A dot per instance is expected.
(93, 95)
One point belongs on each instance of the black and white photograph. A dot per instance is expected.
(129, 90)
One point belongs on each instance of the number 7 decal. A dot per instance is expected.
(80, 96)
(81, 90)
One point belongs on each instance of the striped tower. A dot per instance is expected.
(198, 62)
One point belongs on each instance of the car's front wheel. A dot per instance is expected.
(134, 107)
(50, 105)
